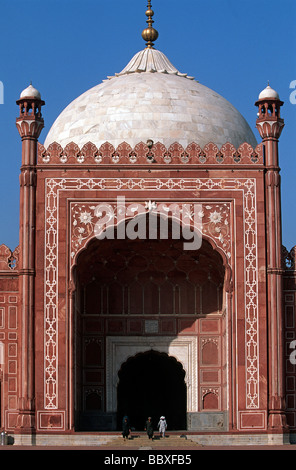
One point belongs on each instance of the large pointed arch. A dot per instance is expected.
(174, 221)
(111, 272)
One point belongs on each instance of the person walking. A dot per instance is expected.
(149, 428)
(162, 425)
(125, 427)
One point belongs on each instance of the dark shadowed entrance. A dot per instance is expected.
(152, 384)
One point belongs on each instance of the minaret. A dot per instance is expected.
(270, 126)
(29, 124)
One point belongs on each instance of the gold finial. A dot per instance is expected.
(149, 34)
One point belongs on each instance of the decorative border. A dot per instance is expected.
(52, 190)
(156, 153)
(289, 259)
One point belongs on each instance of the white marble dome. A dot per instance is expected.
(30, 92)
(150, 99)
(268, 93)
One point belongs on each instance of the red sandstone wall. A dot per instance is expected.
(67, 188)
(9, 336)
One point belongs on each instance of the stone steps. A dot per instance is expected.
(139, 441)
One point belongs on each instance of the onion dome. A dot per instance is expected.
(30, 92)
(268, 93)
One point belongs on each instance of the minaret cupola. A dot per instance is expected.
(30, 121)
(269, 122)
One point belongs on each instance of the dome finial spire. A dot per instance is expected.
(149, 34)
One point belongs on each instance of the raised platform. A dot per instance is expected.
(111, 439)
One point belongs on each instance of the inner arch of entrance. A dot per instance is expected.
(134, 296)
(153, 384)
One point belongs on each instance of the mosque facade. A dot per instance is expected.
(150, 277)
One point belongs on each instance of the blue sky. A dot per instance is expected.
(67, 46)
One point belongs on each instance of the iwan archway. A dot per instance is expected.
(134, 296)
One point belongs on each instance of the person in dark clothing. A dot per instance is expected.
(149, 428)
(125, 427)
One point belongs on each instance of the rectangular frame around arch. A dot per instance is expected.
(55, 186)
(182, 348)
